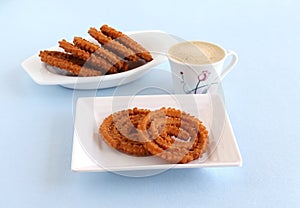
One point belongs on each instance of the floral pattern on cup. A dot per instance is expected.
(202, 77)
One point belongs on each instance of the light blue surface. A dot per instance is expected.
(36, 122)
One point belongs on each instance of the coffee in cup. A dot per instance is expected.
(197, 65)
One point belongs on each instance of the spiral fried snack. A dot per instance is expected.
(127, 41)
(119, 130)
(173, 135)
(113, 45)
(67, 62)
(102, 52)
(98, 62)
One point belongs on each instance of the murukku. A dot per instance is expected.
(113, 45)
(85, 58)
(120, 131)
(67, 62)
(85, 44)
(135, 64)
(127, 41)
(98, 62)
(167, 133)
(173, 135)
(100, 51)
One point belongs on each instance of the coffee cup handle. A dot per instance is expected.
(232, 63)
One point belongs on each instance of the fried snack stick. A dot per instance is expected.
(119, 130)
(102, 52)
(127, 41)
(67, 62)
(91, 59)
(65, 56)
(173, 135)
(113, 45)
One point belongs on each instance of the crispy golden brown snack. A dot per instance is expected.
(91, 59)
(68, 63)
(173, 135)
(170, 134)
(100, 51)
(119, 130)
(113, 57)
(113, 45)
(127, 41)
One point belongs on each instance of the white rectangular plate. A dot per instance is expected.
(92, 154)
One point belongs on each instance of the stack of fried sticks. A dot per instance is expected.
(116, 52)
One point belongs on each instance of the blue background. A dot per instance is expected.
(36, 122)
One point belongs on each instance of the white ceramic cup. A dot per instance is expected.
(197, 65)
